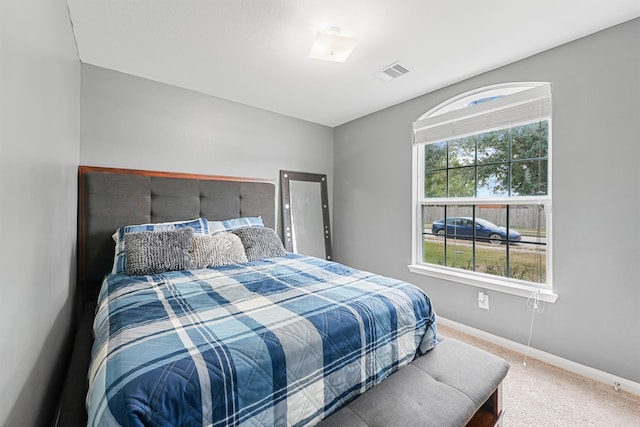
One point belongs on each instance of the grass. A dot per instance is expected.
(523, 265)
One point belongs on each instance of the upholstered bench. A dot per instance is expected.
(454, 384)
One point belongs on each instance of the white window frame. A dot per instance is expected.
(436, 122)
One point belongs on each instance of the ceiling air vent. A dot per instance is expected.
(391, 72)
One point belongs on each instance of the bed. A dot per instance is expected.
(273, 339)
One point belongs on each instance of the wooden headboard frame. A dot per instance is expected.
(109, 198)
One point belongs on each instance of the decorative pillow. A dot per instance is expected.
(217, 250)
(260, 243)
(153, 252)
(199, 225)
(229, 225)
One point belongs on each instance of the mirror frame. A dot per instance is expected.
(285, 197)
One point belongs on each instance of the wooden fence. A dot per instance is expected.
(531, 217)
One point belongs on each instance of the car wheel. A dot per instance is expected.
(495, 239)
(440, 233)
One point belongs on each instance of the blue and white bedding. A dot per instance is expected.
(280, 341)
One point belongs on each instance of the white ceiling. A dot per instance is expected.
(255, 51)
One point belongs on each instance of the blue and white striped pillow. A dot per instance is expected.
(230, 225)
(199, 225)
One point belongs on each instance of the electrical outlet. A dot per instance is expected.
(483, 300)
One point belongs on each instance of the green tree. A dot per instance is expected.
(510, 161)
(529, 153)
(516, 160)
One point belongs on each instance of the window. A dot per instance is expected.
(482, 188)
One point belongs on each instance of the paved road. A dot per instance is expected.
(520, 246)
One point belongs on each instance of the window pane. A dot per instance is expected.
(459, 236)
(434, 251)
(462, 182)
(491, 259)
(528, 258)
(435, 156)
(493, 147)
(448, 236)
(493, 180)
(432, 214)
(495, 214)
(528, 261)
(458, 224)
(460, 253)
(435, 184)
(530, 141)
(433, 242)
(491, 224)
(459, 211)
(529, 220)
(529, 178)
(462, 152)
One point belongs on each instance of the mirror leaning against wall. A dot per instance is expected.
(305, 213)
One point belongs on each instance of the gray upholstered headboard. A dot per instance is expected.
(111, 198)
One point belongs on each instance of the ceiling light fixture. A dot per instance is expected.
(329, 45)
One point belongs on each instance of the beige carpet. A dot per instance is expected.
(543, 395)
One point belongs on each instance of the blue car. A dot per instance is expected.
(462, 228)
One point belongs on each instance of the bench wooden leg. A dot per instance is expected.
(490, 413)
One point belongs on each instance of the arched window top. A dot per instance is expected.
(480, 96)
(484, 109)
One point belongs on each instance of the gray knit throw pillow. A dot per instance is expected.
(153, 252)
(217, 250)
(260, 243)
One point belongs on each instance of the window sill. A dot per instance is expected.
(524, 291)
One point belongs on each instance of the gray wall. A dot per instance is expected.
(131, 122)
(39, 152)
(136, 123)
(596, 173)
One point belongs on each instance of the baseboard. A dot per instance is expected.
(568, 365)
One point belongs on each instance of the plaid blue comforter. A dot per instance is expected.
(281, 341)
